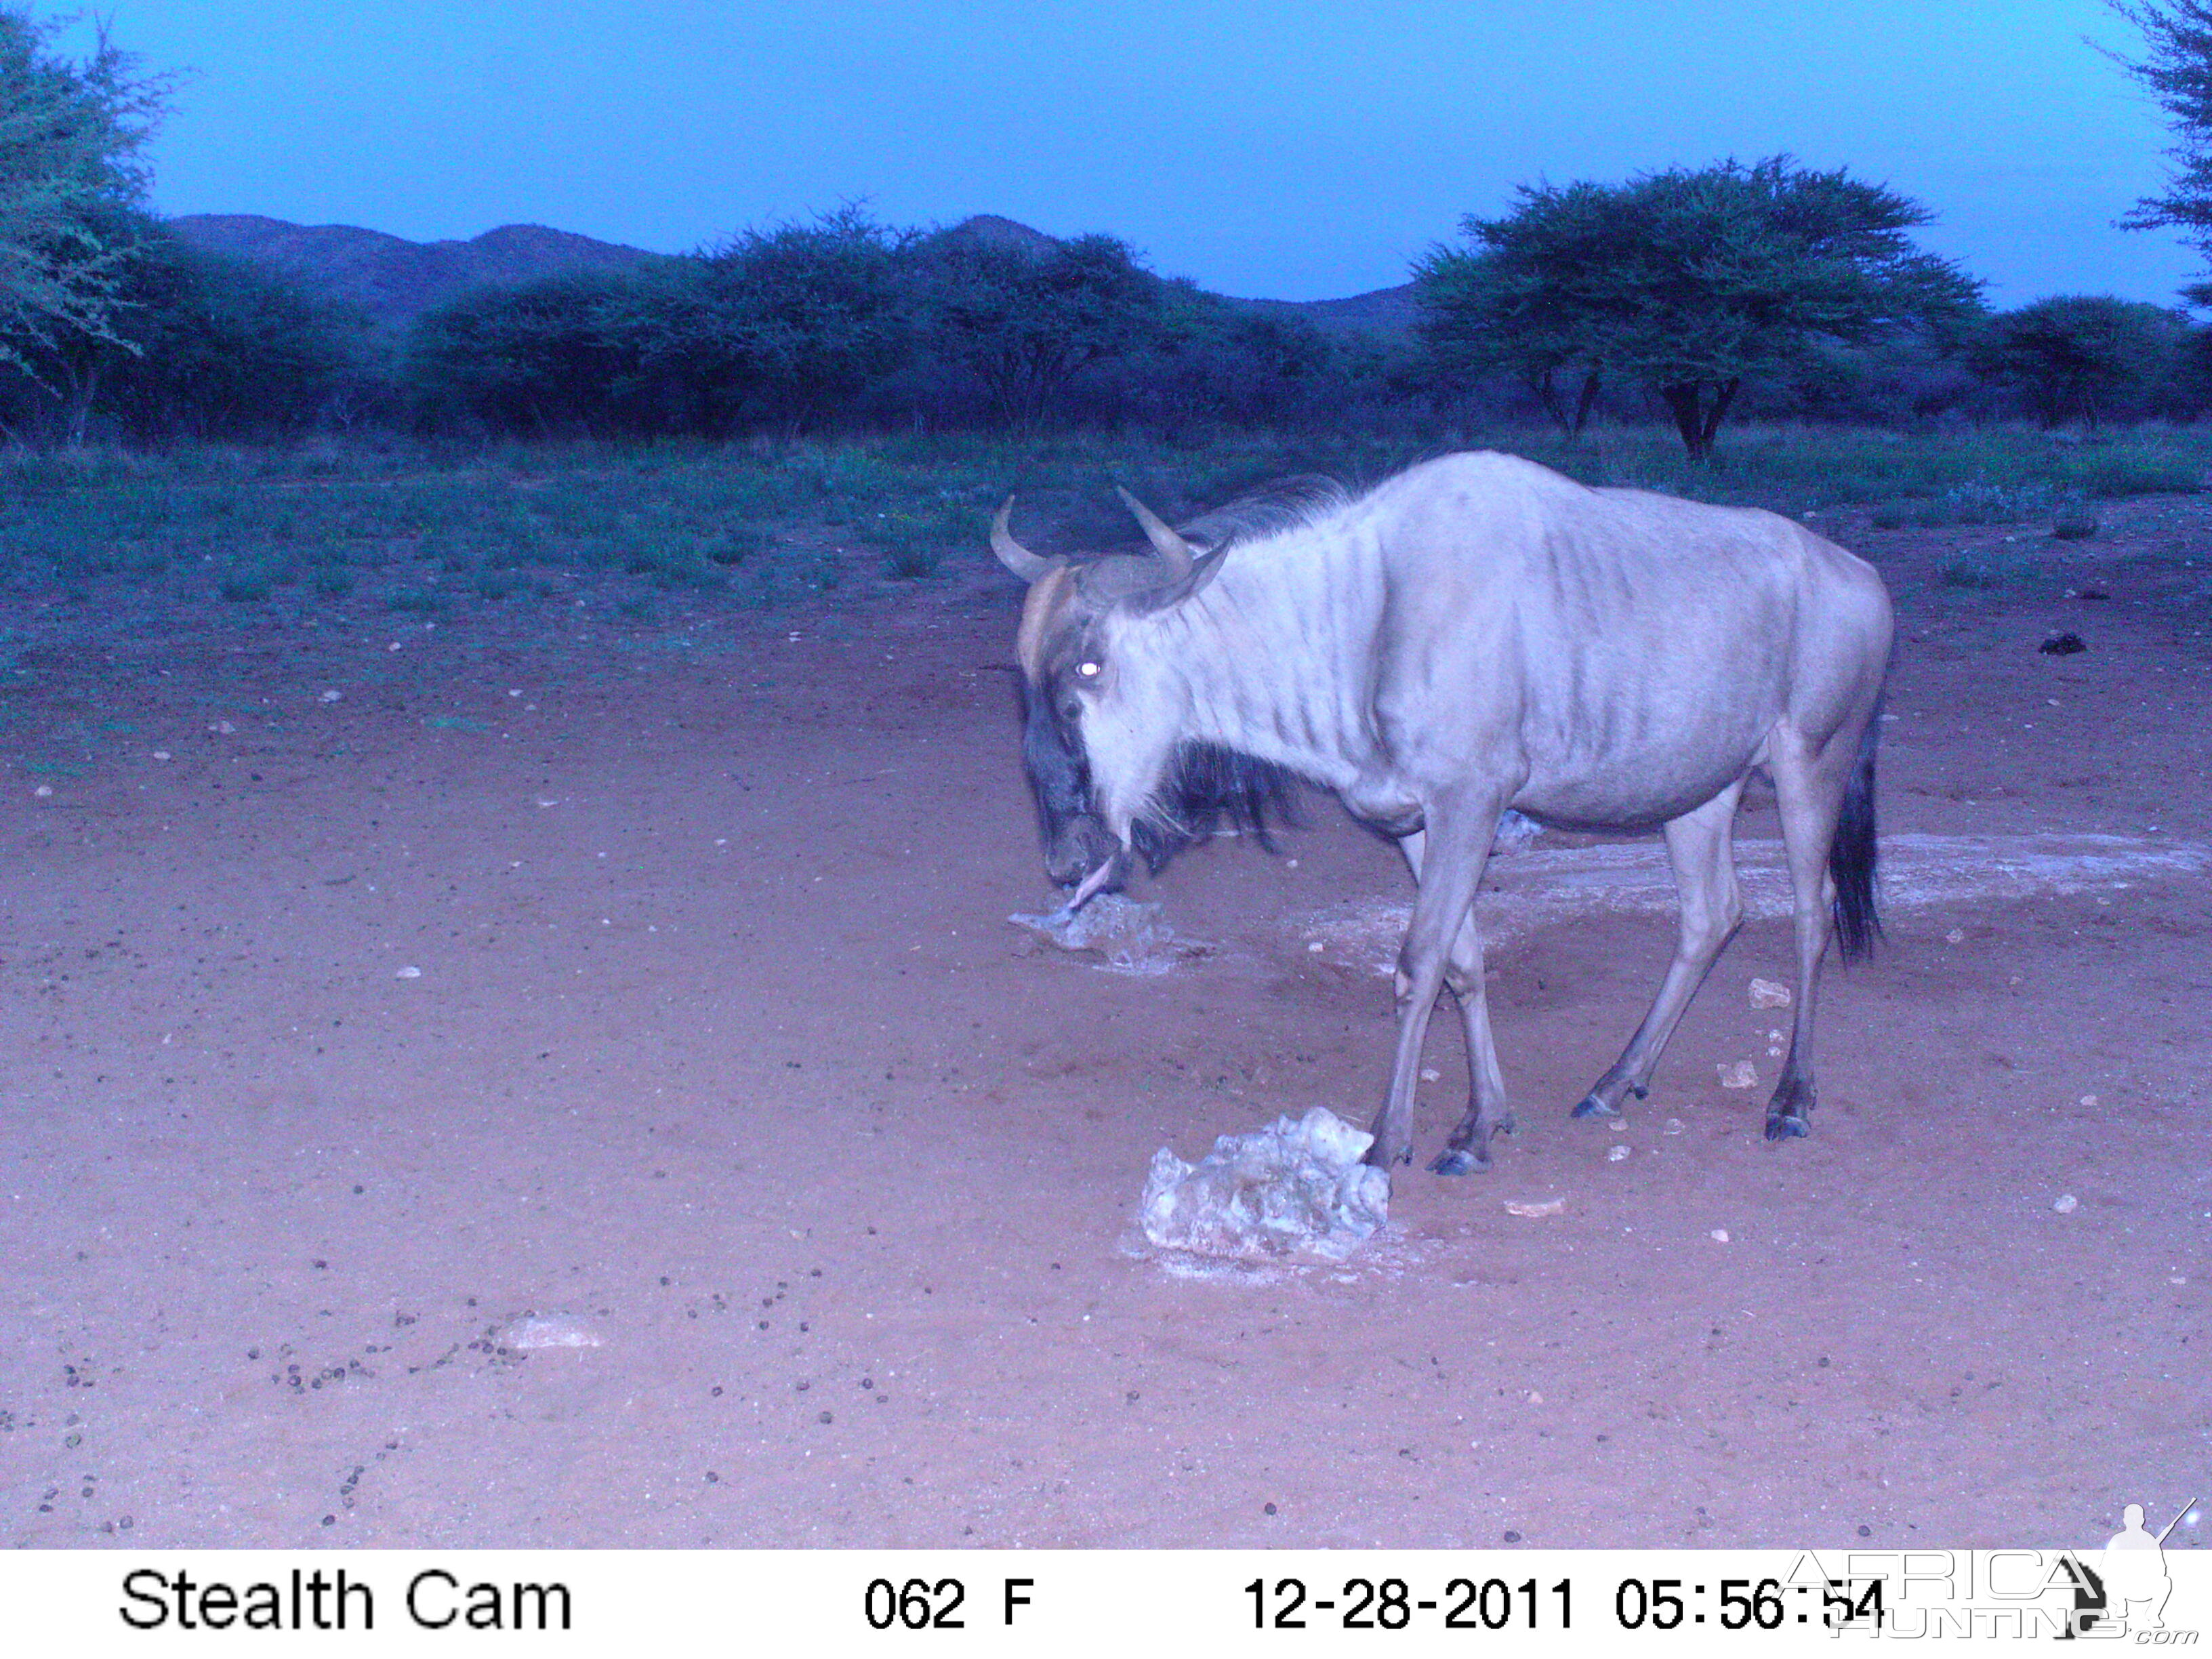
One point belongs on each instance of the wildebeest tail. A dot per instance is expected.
(1852, 856)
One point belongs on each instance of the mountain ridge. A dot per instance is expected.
(394, 279)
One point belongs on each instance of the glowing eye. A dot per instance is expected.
(1088, 670)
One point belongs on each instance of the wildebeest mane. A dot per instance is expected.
(1209, 788)
(1279, 504)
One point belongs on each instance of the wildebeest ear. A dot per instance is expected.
(1175, 593)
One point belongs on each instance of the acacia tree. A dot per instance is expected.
(2087, 357)
(72, 190)
(2178, 73)
(1027, 321)
(1692, 283)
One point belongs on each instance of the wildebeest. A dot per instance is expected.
(1474, 636)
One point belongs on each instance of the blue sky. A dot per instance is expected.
(1296, 150)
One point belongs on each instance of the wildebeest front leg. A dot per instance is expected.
(1487, 1115)
(1456, 845)
(1699, 845)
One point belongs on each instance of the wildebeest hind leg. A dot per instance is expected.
(1809, 792)
(1700, 846)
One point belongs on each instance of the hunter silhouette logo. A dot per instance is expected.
(2127, 1590)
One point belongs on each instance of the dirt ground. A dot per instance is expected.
(647, 996)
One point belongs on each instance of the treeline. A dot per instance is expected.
(1691, 295)
(845, 324)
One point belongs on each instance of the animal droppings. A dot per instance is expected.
(1296, 1186)
(1534, 1208)
(2066, 1204)
(1769, 993)
(1738, 1074)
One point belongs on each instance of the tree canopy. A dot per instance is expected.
(1690, 282)
(72, 187)
(2178, 70)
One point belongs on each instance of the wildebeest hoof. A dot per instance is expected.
(1782, 1127)
(1459, 1161)
(1590, 1106)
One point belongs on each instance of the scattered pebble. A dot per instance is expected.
(1430, 1074)
(224, 727)
(1738, 1074)
(331, 697)
(2066, 1204)
(1767, 993)
(1956, 936)
(1673, 1125)
(2089, 1100)
(162, 754)
(1616, 1153)
(408, 973)
(42, 790)
(1535, 1206)
(549, 1331)
(1719, 1235)
(1316, 946)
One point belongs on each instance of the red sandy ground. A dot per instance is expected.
(722, 1049)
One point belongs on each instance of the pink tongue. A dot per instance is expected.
(1091, 883)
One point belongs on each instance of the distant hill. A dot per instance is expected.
(390, 277)
(1382, 311)
(394, 279)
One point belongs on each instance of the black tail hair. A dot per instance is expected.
(1852, 856)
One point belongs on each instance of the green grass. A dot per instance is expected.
(422, 528)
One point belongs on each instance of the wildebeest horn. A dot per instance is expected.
(1012, 554)
(1174, 551)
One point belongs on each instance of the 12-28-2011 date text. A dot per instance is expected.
(1391, 1604)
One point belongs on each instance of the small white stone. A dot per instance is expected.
(1535, 1398)
(161, 754)
(408, 973)
(1316, 946)
(1615, 1154)
(224, 727)
(1430, 1074)
(1956, 936)
(331, 697)
(2067, 1203)
(549, 1331)
(1738, 1074)
(2089, 1100)
(43, 789)
(1769, 993)
(1673, 1125)
(1719, 1235)
(1532, 1208)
